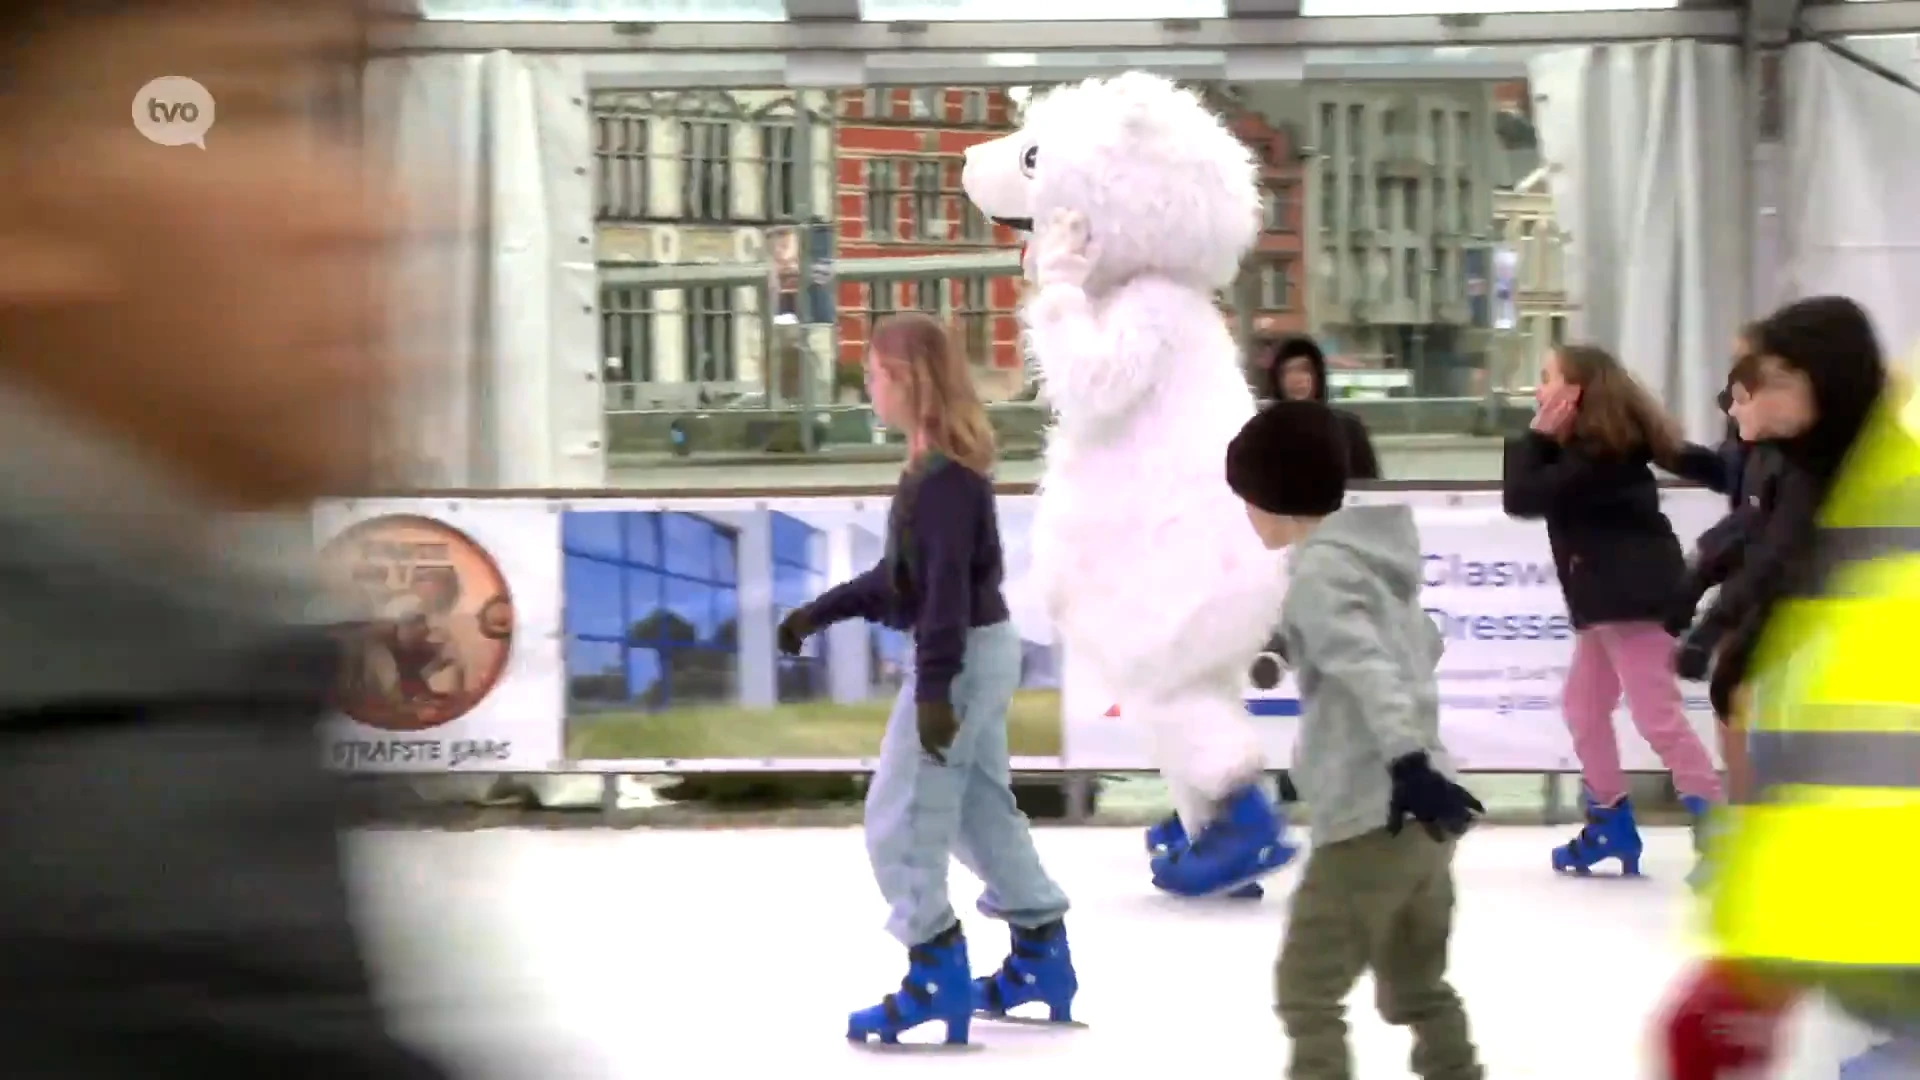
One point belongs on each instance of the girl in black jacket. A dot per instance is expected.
(1584, 470)
(1297, 371)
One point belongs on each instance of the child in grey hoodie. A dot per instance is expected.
(1374, 895)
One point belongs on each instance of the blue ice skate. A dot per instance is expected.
(1608, 834)
(1245, 842)
(937, 987)
(1040, 968)
(1705, 825)
(1164, 836)
(1896, 1060)
(1169, 836)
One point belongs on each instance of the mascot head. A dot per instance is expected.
(1165, 188)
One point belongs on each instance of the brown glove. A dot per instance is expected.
(939, 726)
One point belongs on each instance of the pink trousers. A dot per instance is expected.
(1637, 659)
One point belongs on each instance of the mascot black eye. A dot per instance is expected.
(1029, 160)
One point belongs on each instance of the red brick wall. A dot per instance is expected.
(897, 139)
(1281, 172)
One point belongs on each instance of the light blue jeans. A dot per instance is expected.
(920, 812)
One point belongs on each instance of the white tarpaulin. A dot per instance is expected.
(1643, 147)
(1853, 142)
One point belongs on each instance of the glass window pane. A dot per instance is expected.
(592, 598)
(644, 678)
(690, 606)
(793, 586)
(591, 532)
(605, 10)
(726, 557)
(643, 537)
(594, 673)
(1019, 10)
(698, 677)
(643, 606)
(689, 545)
(793, 542)
(726, 619)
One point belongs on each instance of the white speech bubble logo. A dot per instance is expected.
(173, 110)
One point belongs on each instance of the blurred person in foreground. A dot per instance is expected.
(1808, 891)
(183, 339)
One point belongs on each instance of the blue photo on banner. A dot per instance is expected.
(670, 620)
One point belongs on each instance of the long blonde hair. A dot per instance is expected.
(947, 414)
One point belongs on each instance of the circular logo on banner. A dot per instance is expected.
(436, 623)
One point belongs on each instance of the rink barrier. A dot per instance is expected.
(596, 633)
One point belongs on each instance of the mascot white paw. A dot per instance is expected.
(1140, 206)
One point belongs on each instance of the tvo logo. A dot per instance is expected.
(174, 110)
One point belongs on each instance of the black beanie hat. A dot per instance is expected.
(1291, 459)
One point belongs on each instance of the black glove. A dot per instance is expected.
(794, 631)
(938, 725)
(1693, 657)
(1442, 807)
(1686, 603)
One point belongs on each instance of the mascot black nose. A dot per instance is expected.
(1017, 224)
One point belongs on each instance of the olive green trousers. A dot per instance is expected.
(1383, 904)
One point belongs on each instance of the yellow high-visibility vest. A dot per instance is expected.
(1816, 868)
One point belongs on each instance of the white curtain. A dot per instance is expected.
(1646, 166)
(495, 301)
(1853, 175)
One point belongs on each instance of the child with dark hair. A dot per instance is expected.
(1748, 475)
(1296, 370)
(1584, 469)
(1374, 895)
(1816, 375)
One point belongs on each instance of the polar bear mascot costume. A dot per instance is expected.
(1139, 206)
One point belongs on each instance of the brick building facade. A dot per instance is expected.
(899, 152)
(1277, 261)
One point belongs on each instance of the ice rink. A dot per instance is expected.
(578, 955)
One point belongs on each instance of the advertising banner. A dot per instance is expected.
(1491, 588)
(502, 635)
(670, 610)
(455, 660)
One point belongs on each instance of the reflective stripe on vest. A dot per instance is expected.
(1874, 758)
(1837, 548)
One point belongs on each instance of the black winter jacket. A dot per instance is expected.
(1615, 551)
(1749, 477)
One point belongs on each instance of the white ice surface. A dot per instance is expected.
(594, 955)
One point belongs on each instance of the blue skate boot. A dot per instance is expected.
(1245, 842)
(1704, 825)
(1609, 834)
(1168, 836)
(1164, 836)
(937, 987)
(1040, 968)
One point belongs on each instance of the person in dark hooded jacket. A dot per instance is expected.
(1820, 373)
(1297, 371)
(1746, 472)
